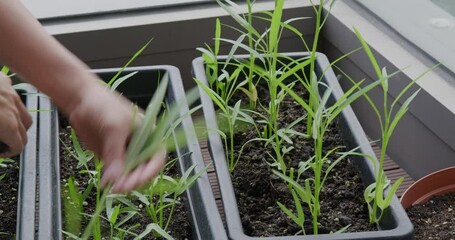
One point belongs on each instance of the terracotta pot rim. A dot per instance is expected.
(435, 183)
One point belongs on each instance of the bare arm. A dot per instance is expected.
(39, 58)
(102, 119)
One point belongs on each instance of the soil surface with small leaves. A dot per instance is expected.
(180, 226)
(258, 190)
(8, 198)
(434, 219)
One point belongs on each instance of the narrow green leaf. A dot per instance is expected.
(126, 218)
(392, 192)
(235, 111)
(236, 16)
(404, 90)
(129, 62)
(209, 57)
(368, 194)
(369, 53)
(217, 36)
(385, 85)
(142, 133)
(352, 98)
(5, 70)
(188, 182)
(343, 229)
(214, 96)
(114, 215)
(403, 109)
(87, 191)
(288, 212)
(154, 227)
(168, 122)
(119, 81)
(301, 191)
(141, 197)
(239, 44)
(275, 26)
(296, 97)
(294, 69)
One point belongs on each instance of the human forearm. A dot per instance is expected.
(39, 59)
(102, 119)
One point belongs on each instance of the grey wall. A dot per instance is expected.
(174, 43)
(423, 141)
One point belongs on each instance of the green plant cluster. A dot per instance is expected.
(281, 74)
(155, 202)
(115, 215)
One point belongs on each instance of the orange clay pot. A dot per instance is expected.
(436, 183)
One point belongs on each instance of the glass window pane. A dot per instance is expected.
(430, 25)
(46, 9)
(447, 5)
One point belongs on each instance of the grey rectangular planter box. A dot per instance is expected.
(25, 226)
(199, 200)
(395, 223)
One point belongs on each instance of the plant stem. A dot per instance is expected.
(380, 178)
(252, 59)
(317, 181)
(231, 156)
(170, 213)
(95, 219)
(313, 63)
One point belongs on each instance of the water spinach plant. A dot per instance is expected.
(159, 131)
(388, 117)
(324, 116)
(160, 197)
(261, 66)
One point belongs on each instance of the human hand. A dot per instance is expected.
(103, 121)
(14, 119)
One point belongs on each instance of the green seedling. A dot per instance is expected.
(82, 156)
(251, 86)
(306, 193)
(114, 78)
(153, 227)
(263, 49)
(322, 117)
(320, 21)
(388, 119)
(4, 163)
(120, 210)
(161, 198)
(73, 201)
(148, 139)
(226, 84)
(230, 116)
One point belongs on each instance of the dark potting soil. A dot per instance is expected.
(258, 190)
(434, 219)
(179, 228)
(8, 199)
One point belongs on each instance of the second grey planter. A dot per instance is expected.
(395, 224)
